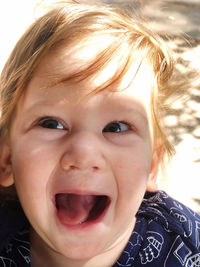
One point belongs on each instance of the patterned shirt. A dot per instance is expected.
(166, 234)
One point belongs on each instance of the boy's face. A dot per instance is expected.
(82, 165)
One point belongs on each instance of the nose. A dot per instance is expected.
(83, 151)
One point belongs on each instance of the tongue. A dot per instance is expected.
(74, 209)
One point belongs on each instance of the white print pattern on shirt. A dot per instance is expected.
(178, 205)
(153, 249)
(21, 247)
(179, 251)
(135, 244)
(197, 234)
(182, 253)
(7, 262)
(25, 253)
(183, 219)
(193, 261)
(158, 214)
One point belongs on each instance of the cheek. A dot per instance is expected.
(32, 169)
(132, 179)
(132, 175)
(134, 164)
(32, 172)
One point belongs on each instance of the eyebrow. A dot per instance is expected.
(118, 100)
(130, 106)
(134, 110)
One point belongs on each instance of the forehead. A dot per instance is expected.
(84, 59)
(80, 53)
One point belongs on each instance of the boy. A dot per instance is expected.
(82, 97)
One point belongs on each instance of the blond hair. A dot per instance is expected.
(70, 22)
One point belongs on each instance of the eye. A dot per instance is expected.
(116, 127)
(51, 123)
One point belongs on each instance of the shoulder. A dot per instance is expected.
(12, 220)
(171, 232)
(170, 213)
(166, 234)
(14, 235)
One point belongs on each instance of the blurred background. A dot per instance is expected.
(179, 19)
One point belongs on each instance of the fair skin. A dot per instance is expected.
(62, 142)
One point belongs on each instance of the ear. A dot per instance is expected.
(6, 175)
(155, 163)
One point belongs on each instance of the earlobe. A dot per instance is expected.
(152, 182)
(6, 176)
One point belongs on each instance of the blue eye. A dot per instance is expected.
(116, 127)
(51, 123)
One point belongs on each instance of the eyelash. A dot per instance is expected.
(128, 124)
(43, 119)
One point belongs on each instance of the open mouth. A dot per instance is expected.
(74, 209)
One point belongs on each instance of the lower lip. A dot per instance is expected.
(85, 225)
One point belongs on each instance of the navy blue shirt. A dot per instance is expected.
(166, 234)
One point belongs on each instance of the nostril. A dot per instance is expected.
(69, 167)
(72, 167)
